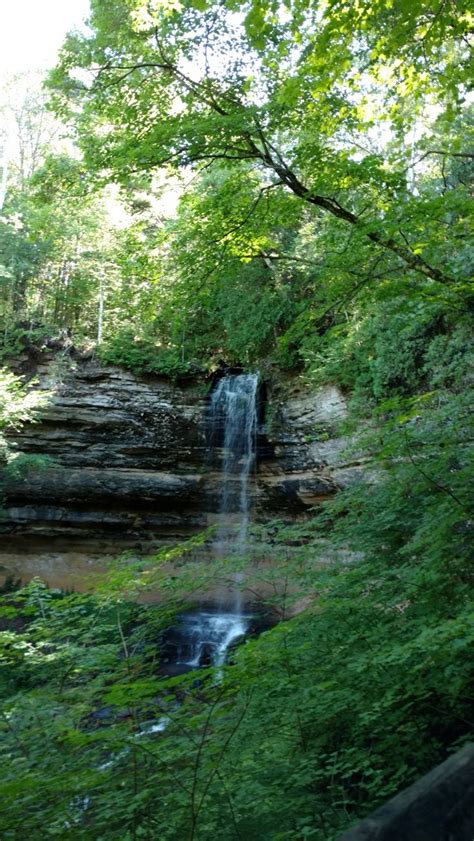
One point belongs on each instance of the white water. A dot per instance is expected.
(233, 420)
(205, 637)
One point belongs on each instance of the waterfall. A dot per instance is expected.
(206, 637)
(233, 424)
(203, 638)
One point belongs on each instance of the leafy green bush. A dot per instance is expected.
(21, 464)
(143, 355)
(17, 406)
(396, 347)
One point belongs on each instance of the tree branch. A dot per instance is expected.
(271, 158)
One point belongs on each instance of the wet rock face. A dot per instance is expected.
(130, 463)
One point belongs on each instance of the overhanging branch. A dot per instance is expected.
(272, 159)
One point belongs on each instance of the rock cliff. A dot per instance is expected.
(128, 464)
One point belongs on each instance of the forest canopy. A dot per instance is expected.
(321, 155)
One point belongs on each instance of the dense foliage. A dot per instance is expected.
(17, 406)
(321, 171)
(317, 721)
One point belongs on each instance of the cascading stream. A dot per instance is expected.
(204, 638)
(233, 420)
(207, 637)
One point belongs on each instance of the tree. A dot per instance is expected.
(295, 92)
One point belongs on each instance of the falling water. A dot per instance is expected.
(233, 420)
(204, 638)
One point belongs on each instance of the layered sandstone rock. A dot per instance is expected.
(310, 458)
(129, 463)
(126, 457)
